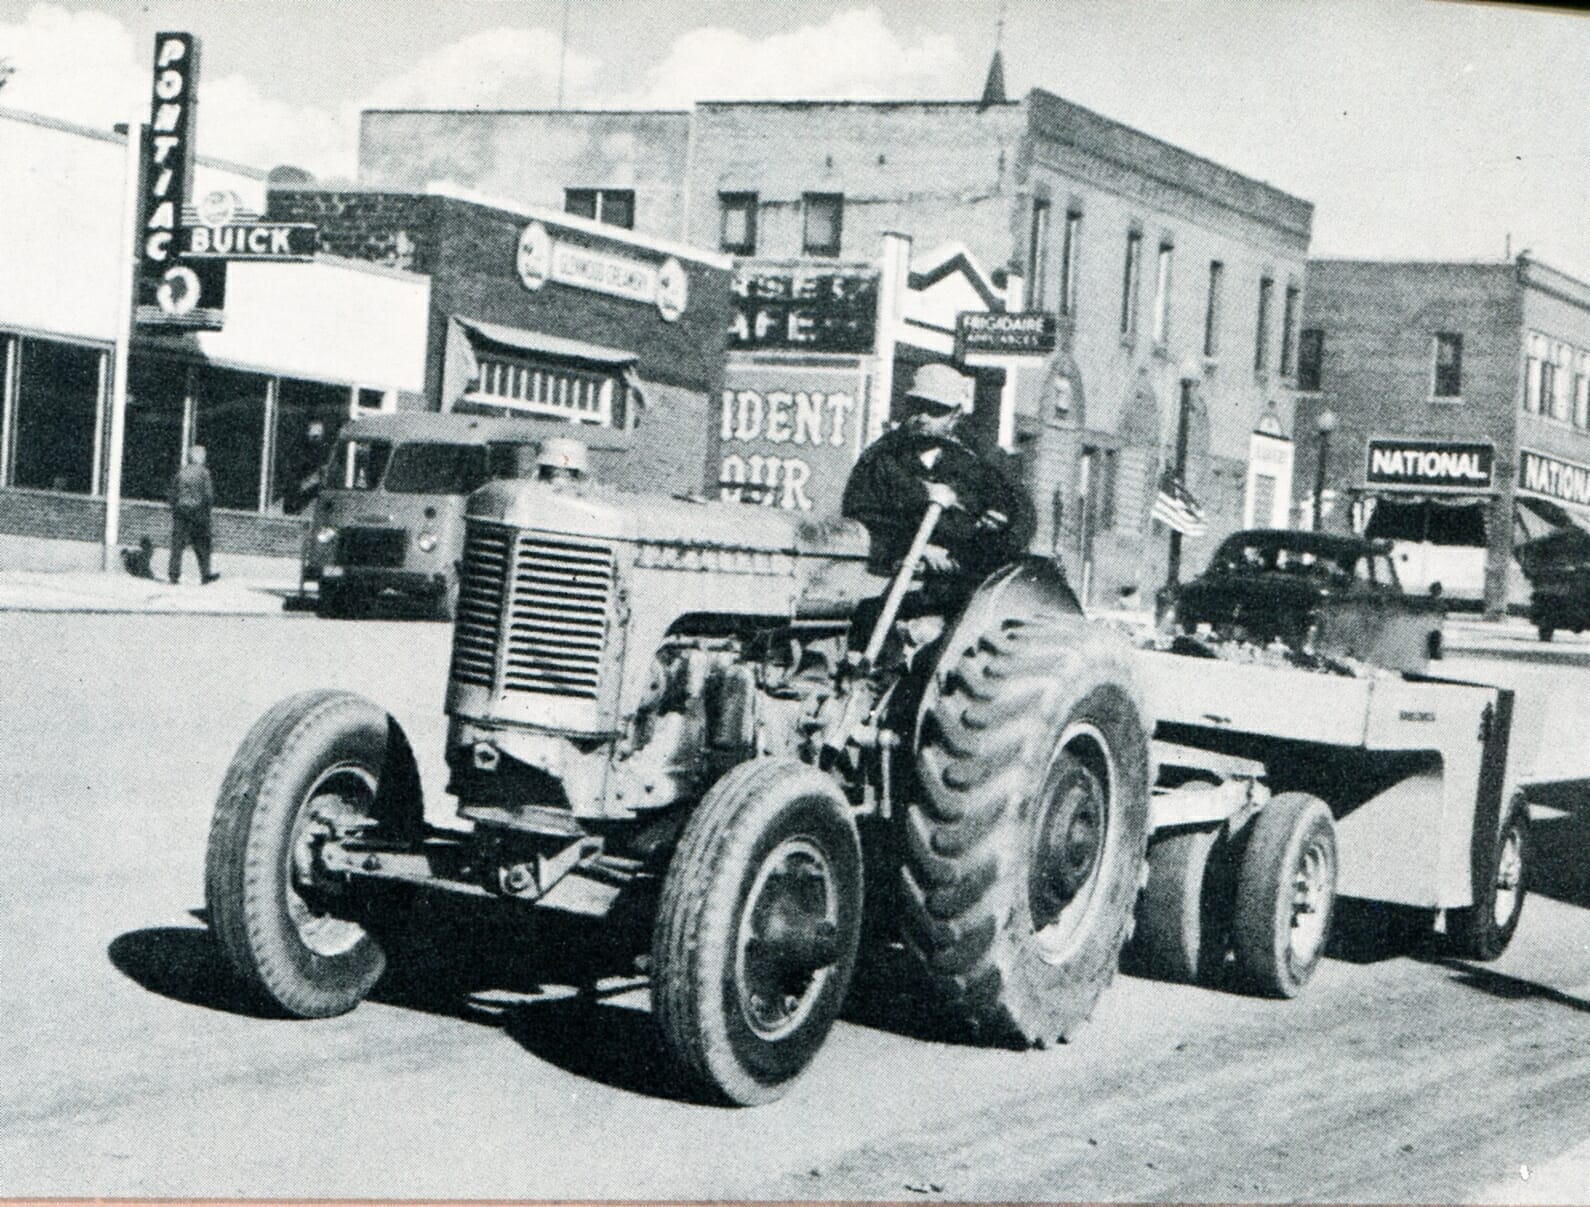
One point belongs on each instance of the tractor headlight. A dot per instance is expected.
(326, 535)
(426, 542)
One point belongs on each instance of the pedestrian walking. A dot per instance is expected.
(192, 496)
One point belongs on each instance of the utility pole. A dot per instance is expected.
(563, 51)
(126, 283)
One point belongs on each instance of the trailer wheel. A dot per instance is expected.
(1483, 930)
(1025, 852)
(1286, 893)
(312, 761)
(1184, 915)
(756, 931)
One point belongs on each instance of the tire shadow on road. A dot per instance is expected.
(1501, 985)
(185, 964)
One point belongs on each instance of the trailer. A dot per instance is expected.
(1279, 790)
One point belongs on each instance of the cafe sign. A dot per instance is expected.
(781, 307)
(1429, 464)
(541, 258)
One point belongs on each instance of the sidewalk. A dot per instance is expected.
(118, 591)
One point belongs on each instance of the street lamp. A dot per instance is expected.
(1324, 424)
(1192, 372)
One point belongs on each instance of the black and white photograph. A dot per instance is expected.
(795, 601)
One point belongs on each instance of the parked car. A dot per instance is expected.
(1558, 568)
(1319, 593)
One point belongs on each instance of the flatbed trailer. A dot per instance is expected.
(1409, 791)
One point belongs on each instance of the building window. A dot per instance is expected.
(1288, 334)
(56, 417)
(1212, 310)
(737, 223)
(1038, 253)
(530, 386)
(823, 222)
(229, 420)
(1310, 358)
(157, 394)
(1261, 337)
(1070, 252)
(1448, 365)
(1537, 373)
(615, 207)
(1581, 393)
(1561, 381)
(1167, 250)
(1134, 260)
(309, 415)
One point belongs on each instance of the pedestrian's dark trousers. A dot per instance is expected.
(189, 528)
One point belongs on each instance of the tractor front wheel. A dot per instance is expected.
(757, 931)
(316, 762)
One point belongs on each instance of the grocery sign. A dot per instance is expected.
(1553, 478)
(1429, 464)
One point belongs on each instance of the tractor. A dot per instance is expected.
(662, 708)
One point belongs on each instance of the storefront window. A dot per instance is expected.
(1581, 393)
(57, 408)
(309, 415)
(152, 450)
(230, 423)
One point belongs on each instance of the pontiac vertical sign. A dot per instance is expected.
(170, 293)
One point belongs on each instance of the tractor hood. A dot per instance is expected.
(606, 513)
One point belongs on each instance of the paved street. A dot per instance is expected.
(129, 1069)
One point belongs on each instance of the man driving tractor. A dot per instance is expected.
(986, 520)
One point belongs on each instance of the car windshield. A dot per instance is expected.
(358, 464)
(436, 469)
(1270, 557)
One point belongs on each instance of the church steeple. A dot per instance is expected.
(994, 86)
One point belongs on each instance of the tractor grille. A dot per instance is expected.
(478, 620)
(532, 613)
(382, 547)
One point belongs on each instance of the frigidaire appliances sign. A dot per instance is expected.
(1430, 464)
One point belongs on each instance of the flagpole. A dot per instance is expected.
(1191, 372)
(125, 284)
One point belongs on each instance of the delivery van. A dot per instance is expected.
(388, 522)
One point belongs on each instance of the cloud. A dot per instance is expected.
(853, 55)
(85, 67)
(80, 67)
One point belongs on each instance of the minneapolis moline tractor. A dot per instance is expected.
(658, 709)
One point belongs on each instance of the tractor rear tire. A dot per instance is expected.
(1483, 930)
(1183, 926)
(295, 947)
(1286, 894)
(756, 932)
(1024, 853)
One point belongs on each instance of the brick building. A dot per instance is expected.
(1157, 264)
(543, 313)
(1461, 399)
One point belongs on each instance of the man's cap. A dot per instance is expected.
(941, 385)
(562, 452)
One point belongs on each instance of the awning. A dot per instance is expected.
(1558, 515)
(555, 347)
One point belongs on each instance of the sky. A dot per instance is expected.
(1420, 129)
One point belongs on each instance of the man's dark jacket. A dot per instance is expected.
(887, 493)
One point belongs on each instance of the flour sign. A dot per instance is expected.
(787, 437)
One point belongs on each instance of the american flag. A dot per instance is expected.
(1175, 508)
